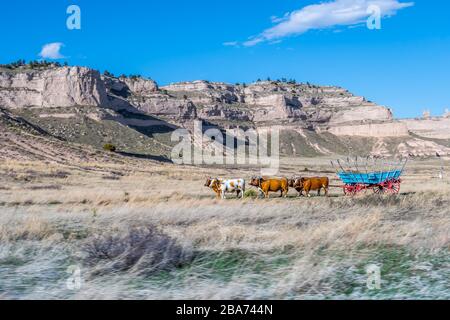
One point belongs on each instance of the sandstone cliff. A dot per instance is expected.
(259, 103)
(434, 128)
(376, 130)
(270, 101)
(318, 119)
(55, 87)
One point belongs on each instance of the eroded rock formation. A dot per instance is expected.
(55, 87)
(434, 128)
(307, 111)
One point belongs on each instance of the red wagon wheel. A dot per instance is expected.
(360, 188)
(393, 186)
(379, 189)
(350, 190)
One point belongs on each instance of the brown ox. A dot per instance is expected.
(266, 185)
(308, 184)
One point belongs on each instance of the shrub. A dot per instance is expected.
(31, 64)
(251, 193)
(106, 73)
(141, 250)
(109, 147)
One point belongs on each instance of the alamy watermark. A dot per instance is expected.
(74, 281)
(73, 22)
(211, 146)
(373, 277)
(374, 19)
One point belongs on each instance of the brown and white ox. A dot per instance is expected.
(266, 185)
(310, 184)
(292, 182)
(221, 187)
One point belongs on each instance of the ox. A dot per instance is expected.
(221, 187)
(308, 184)
(295, 183)
(266, 185)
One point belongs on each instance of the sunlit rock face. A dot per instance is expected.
(56, 87)
(271, 101)
(140, 86)
(259, 103)
(376, 130)
(306, 113)
(434, 128)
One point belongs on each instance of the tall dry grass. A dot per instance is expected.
(210, 249)
(157, 233)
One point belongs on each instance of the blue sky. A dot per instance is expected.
(405, 65)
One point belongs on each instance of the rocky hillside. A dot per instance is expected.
(80, 105)
(22, 140)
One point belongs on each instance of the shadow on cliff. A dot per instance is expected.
(206, 125)
(145, 124)
(145, 157)
(138, 120)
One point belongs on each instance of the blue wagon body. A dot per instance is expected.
(379, 176)
(369, 178)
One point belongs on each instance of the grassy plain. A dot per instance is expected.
(147, 230)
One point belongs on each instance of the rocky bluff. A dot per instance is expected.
(310, 111)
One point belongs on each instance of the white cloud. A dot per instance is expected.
(325, 15)
(231, 44)
(52, 51)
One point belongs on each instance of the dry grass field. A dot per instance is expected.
(146, 230)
